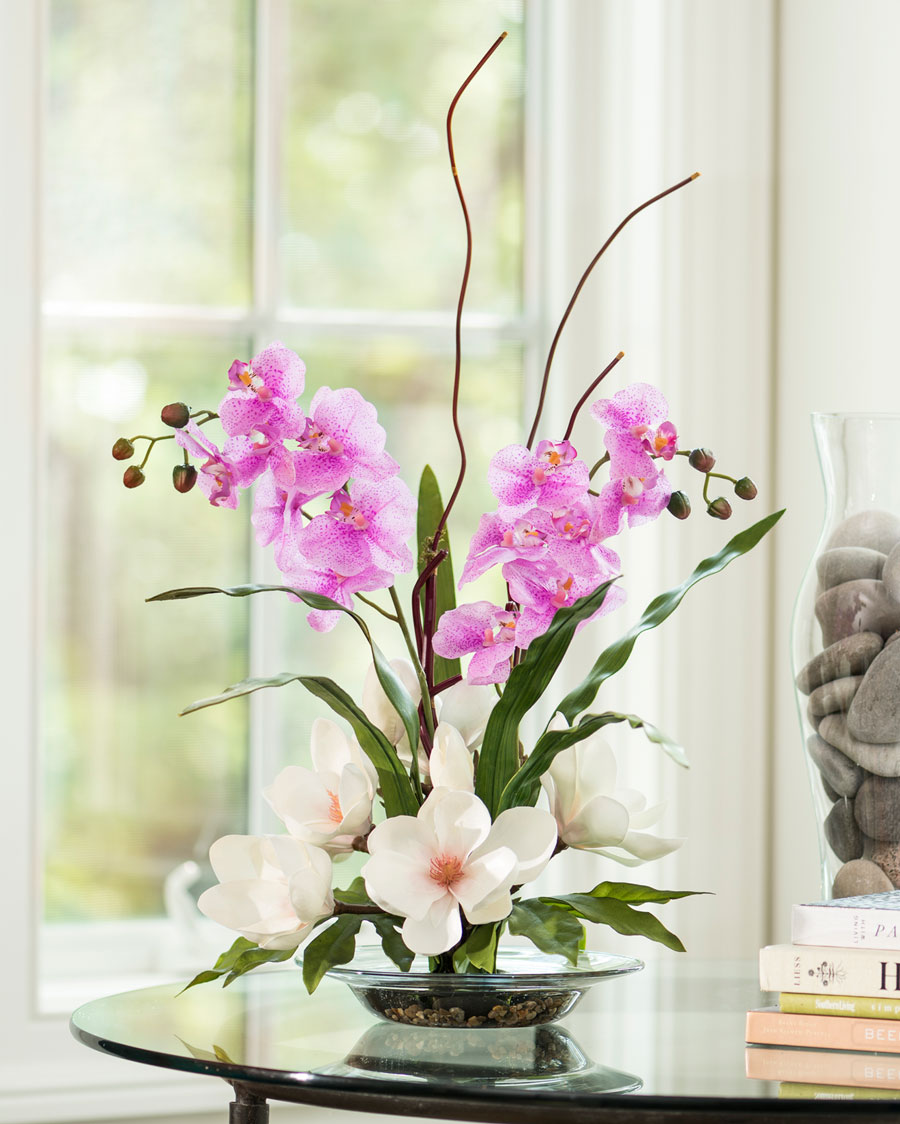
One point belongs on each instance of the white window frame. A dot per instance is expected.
(583, 57)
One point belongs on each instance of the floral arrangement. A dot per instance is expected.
(432, 780)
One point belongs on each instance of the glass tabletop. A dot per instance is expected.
(670, 1037)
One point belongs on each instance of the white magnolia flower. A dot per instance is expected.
(451, 764)
(272, 888)
(450, 856)
(468, 708)
(379, 709)
(592, 815)
(330, 805)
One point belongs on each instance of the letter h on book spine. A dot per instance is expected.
(884, 975)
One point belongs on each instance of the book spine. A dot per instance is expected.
(791, 1090)
(846, 927)
(847, 1006)
(820, 970)
(822, 1067)
(774, 1028)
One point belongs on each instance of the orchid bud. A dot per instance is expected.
(719, 509)
(123, 449)
(679, 505)
(176, 415)
(184, 477)
(702, 460)
(133, 477)
(745, 489)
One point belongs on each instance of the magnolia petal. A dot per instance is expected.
(468, 708)
(436, 932)
(404, 835)
(648, 817)
(484, 877)
(379, 709)
(310, 894)
(602, 822)
(302, 802)
(530, 833)
(646, 847)
(458, 821)
(451, 763)
(329, 746)
(493, 908)
(237, 857)
(400, 884)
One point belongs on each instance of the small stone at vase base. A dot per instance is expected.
(860, 876)
(846, 563)
(884, 760)
(842, 831)
(877, 808)
(829, 791)
(835, 697)
(850, 656)
(891, 573)
(843, 776)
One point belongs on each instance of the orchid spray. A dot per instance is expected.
(429, 776)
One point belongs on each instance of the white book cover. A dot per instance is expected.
(821, 969)
(865, 921)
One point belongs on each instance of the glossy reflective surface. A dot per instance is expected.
(671, 1036)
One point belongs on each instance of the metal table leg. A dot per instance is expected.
(247, 1107)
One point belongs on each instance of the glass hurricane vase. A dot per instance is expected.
(846, 660)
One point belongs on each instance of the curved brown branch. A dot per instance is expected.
(581, 401)
(580, 286)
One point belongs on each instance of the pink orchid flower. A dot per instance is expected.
(262, 394)
(637, 429)
(217, 477)
(365, 527)
(499, 540)
(541, 590)
(637, 500)
(550, 477)
(339, 587)
(485, 630)
(278, 519)
(341, 438)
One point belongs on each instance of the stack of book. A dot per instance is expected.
(838, 986)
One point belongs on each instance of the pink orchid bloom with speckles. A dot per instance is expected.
(217, 478)
(637, 429)
(634, 499)
(341, 438)
(261, 397)
(550, 477)
(365, 527)
(339, 587)
(278, 518)
(486, 631)
(542, 590)
(499, 540)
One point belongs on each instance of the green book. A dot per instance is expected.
(797, 1090)
(852, 1006)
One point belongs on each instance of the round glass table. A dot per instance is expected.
(663, 1044)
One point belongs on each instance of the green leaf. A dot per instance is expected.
(202, 977)
(631, 892)
(398, 696)
(499, 757)
(618, 915)
(388, 929)
(334, 945)
(429, 512)
(245, 687)
(552, 929)
(396, 790)
(227, 959)
(525, 784)
(354, 894)
(481, 946)
(615, 657)
(254, 958)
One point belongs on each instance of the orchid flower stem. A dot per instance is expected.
(706, 487)
(447, 683)
(581, 401)
(580, 286)
(723, 476)
(462, 295)
(600, 463)
(413, 654)
(152, 440)
(377, 608)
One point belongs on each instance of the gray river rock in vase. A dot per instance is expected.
(891, 573)
(863, 605)
(850, 656)
(829, 791)
(876, 530)
(834, 697)
(860, 876)
(842, 831)
(883, 760)
(841, 774)
(846, 563)
(874, 714)
(877, 808)
(884, 854)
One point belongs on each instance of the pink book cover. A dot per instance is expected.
(823, 1067)
(773, 1027)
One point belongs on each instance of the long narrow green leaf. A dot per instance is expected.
(428, 515)
(524, 786)
(334, 945)
(388, 928)
(614, 658)
(397, 694)
(632, 892)
(551, 928)
(500, 750)
(396, 789)
(620, 916)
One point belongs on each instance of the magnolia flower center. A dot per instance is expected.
(446, 870)
(334, 812)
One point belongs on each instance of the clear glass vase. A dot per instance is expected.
(845, 660)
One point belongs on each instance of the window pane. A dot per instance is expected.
(148, 151)
(370, 214)
(131, 790)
